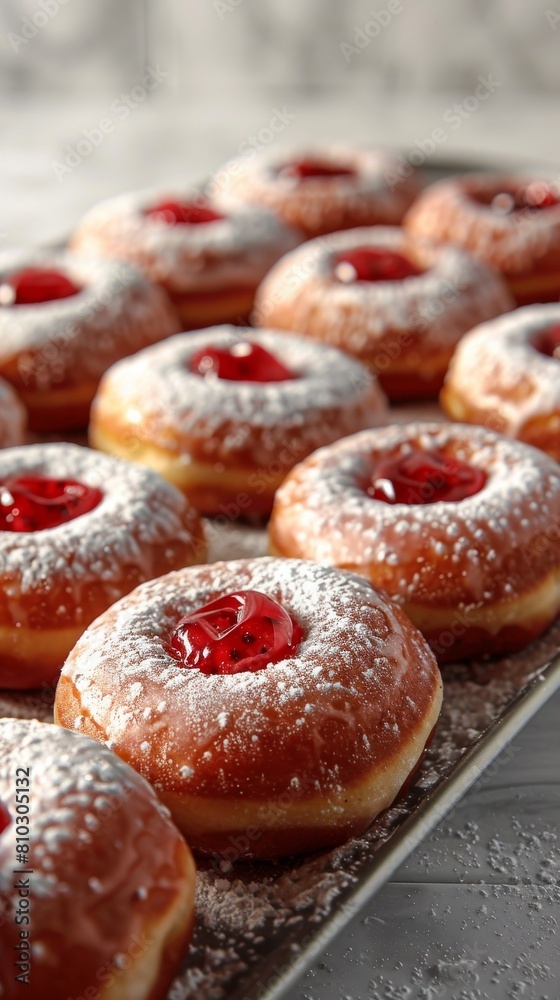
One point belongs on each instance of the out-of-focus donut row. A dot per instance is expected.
(274, 705)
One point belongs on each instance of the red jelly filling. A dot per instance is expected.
(182, 213)
(373, 264)
(549, 342)
(5, 818)
(242, 632)
(36, 284)
(302, 170)
(241, 362)
(33, 503)
(422, 477)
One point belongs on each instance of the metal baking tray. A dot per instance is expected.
(260, 926)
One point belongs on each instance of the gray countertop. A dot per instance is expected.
(473, 913)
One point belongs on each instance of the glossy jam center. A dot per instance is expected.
(424, 477)
(36, 284)
(5, 818)
(33, 503)
(182, 213)
(245, 631)
(373, 264)
(548, 342)
(241, 362)
(305, 169)
(535, 196)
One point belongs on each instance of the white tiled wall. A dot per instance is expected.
(209, 45)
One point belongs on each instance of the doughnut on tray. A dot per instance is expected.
(260, 926)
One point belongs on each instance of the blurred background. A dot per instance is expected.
(101, 96)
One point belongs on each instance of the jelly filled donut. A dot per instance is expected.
(397, 303)
(277, 706)
(63, 321)
(209, 261)
(455, 523)
(226, 412)
(506, 375)
(77, 531)
(13, 418)
(96, 883)
(320, 190)
(509, 222)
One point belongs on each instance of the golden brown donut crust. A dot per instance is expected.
(321, 205)
(112, 883)
(524, 246)
(216, 438)
(487, 566)
(500, 379)
(343, 721)
(405, 331)
(54, 353)
(54, 582)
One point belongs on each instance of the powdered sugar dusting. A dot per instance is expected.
(454, 293)
(515, 242)
(116, 312)
(71, 775)
(137, 512)
(155, 396)
(496, 368)
(101, 854)
(236, 250)
(356, 652)
(318, 205)
(484, 547)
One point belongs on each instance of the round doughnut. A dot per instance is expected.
(78, 530)
(209, 261)
(225, 413)
(284, 723)
(13, 418)
(510, 222)
(397, 303)
(505, 375)
(96, 883)
(63, 321)
(321, 190)
(455, 523)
